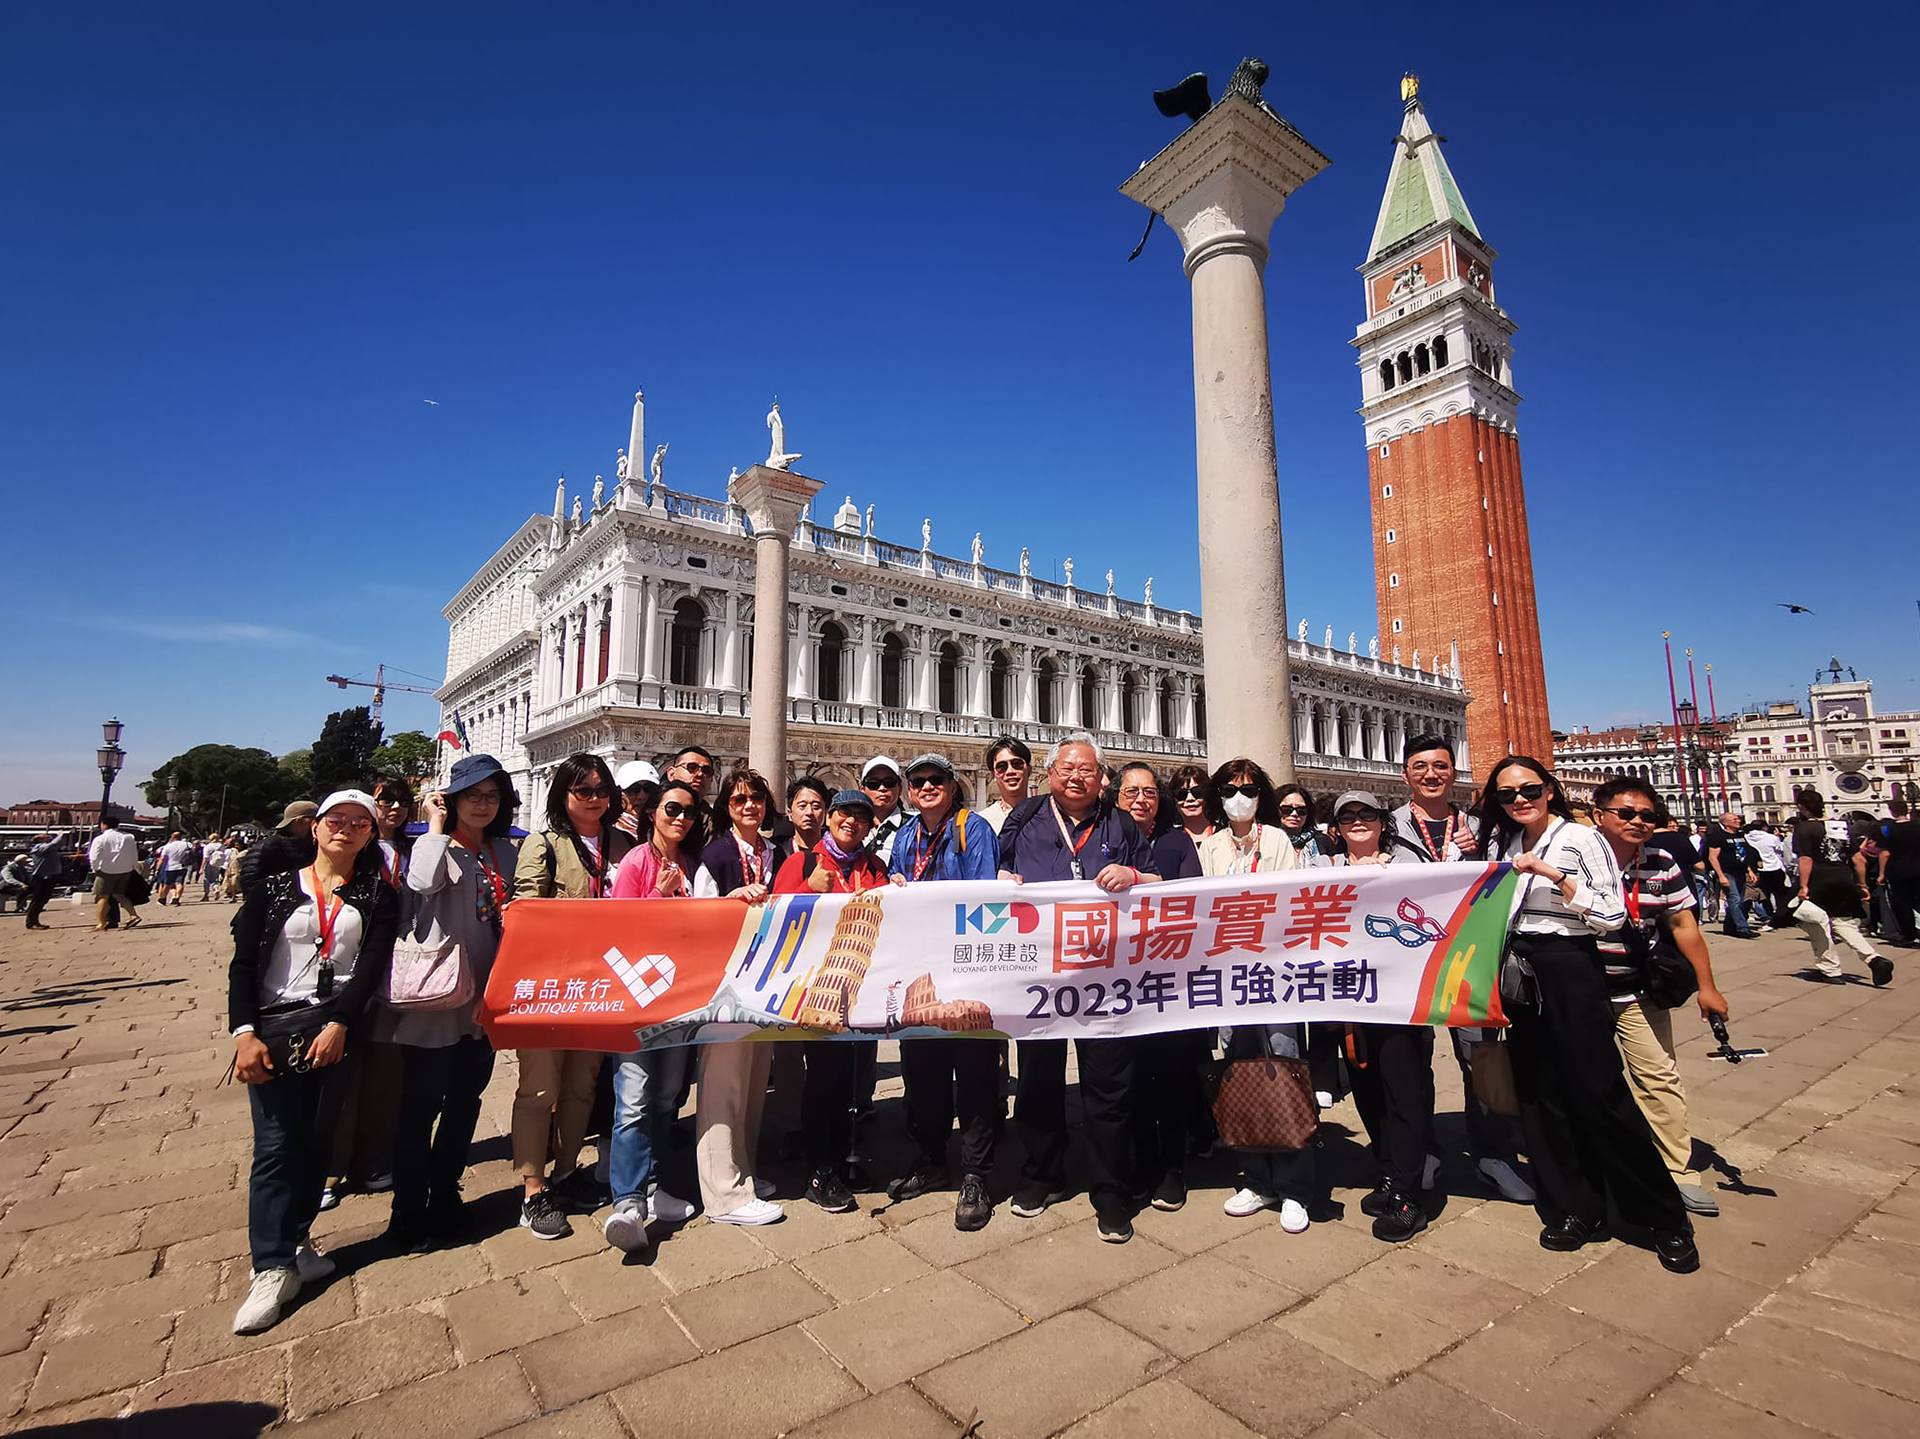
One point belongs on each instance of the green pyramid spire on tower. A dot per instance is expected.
(1420, 188)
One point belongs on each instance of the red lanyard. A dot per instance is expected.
(921, 864)
(493, 878)
(389, 869)
(1446, 838)
(323, 915)
(752, 870)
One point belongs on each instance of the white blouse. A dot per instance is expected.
(292, 972)
(1598, 905)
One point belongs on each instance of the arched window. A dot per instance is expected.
(1421, 362)
(893, 671)
(683, 648)
(1130, 703)
(999, 669)
(1319, 728)
(949, 686)
(1169, 721)
(1405, 363)
(1200, 710)
(1047, 683)
(606, 642)
(1090, 716)
(1439, 351)
(1386, 374)
(831, 682)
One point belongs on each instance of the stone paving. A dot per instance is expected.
(122, 1256)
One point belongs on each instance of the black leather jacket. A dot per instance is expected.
(268, 906)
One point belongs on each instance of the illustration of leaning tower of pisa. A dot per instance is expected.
(835, 985)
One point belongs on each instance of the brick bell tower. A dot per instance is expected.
(1452, 562)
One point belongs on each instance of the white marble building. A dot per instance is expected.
(628, 631)
(1856, 758)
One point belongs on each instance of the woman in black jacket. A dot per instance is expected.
(311, 948)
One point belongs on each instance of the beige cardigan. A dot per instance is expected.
(1276, 851)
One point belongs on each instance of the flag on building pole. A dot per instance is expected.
(457, 734)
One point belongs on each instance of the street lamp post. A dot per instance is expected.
(173, 800)
(110, 757)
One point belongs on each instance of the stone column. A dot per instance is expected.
(650, 631)
(772, 500)
(866, 685)
(730, 645)
(929, 675)
(626, 630)
(1220, 186)
(803, 650)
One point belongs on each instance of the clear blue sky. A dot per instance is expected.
(244, 243)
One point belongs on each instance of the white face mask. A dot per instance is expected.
(1238, 806)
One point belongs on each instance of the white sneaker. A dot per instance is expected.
(626, 1227)
(311, 1265)
(1247, 1202)
(1431, 1172)
(260, 1310)
(1293, 1216)
(765, 1188)
(664, 1208)
(754, 1211)
(1500, 1175)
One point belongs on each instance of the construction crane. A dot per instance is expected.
(379, 684)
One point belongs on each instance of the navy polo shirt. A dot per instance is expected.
(1031, 845)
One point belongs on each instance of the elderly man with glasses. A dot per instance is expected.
(1658, 898)
(1073, 833)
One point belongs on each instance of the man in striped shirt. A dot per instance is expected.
(1657, 895)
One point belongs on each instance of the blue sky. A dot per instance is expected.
(244, 244)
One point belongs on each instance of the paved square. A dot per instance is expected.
(123, 1163)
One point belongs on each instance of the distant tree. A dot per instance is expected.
(254, 784)
(409, 753)
(296, 769)
(343, 755)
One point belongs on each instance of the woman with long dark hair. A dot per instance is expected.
(456, 878)
(1588, 1140)
(573, 856)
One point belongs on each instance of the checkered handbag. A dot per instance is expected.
(1263, 1103)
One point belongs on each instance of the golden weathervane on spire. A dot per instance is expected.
(1410, 87)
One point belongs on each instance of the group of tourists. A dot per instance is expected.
(359, 1079)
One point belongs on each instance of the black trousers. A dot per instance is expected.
(949, 1078)
(1393, 1090)
(363, 1137)
(1166, 1098)
(826, 1101)
(444, 1084)
(1106, 1092)
(38, 893)
(1775, 885)
(1587, 1138)
(1903, 893)
(293, 1117)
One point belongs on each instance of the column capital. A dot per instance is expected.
(773, 498)
(1223, 182)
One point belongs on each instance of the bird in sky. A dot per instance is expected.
(430, 402)
(1792, 609)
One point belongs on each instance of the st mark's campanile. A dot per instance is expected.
(1453, 566)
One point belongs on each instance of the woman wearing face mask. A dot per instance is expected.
(573, 857)
(1247, 838)
(647, 1082)
(1590, 1145)
(1391, 1064)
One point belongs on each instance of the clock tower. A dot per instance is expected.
(1453, 566)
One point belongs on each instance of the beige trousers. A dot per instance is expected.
(552, 1108)
(733, 1092)
(1645, 1038)
(1814, 920)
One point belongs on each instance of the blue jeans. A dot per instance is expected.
(1736, 906)
(293, 1118)
(645, 1085)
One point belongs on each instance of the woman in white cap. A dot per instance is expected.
(311, 948)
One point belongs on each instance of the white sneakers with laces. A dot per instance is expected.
(266, 1296)
(754, 1211)
(1245, 1203)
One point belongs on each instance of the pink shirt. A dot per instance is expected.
(639, 874)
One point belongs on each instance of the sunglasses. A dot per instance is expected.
(1358, 816)
(597, 792)
(673, 809)
(341, 824)
(884, 782)
(738, 801)
(696, 767)
(1629, 814)
(1187, 792)
(1247, 791)
(1507, 794)
(926, 781)
(1002, 766)
(1293, 809)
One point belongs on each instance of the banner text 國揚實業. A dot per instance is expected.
(1399, 944)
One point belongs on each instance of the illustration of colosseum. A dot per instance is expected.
(925, 1008)
(833, 987)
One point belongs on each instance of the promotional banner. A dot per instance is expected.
(1399, 944)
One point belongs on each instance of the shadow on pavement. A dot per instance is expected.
(222, 1420)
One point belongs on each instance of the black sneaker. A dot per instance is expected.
(926, 1178)
(1677, 1251)
(1402, 1220)
(975, 1206)
(1375, 1204)
(1569, 1233)
(1882, 969)
(1034, 1199)
(409, 1234)
(1171, 1193)
(542, 1214)
(1115, 1228)
(580, 1192)
(828, 1190)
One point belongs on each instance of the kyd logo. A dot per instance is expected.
(646, 980)
(993, 918)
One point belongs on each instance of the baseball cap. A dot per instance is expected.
(1359, 796)
(852, 799)
(346, 796)
(879, 761)
(299, 809)
(636, 771)
(931, 760)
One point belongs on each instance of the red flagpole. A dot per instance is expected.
(1679, 754)
(1713, 717)
(1693, 693)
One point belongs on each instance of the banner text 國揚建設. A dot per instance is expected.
(1398, 944)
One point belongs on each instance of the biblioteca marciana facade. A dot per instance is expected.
(625, 628)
